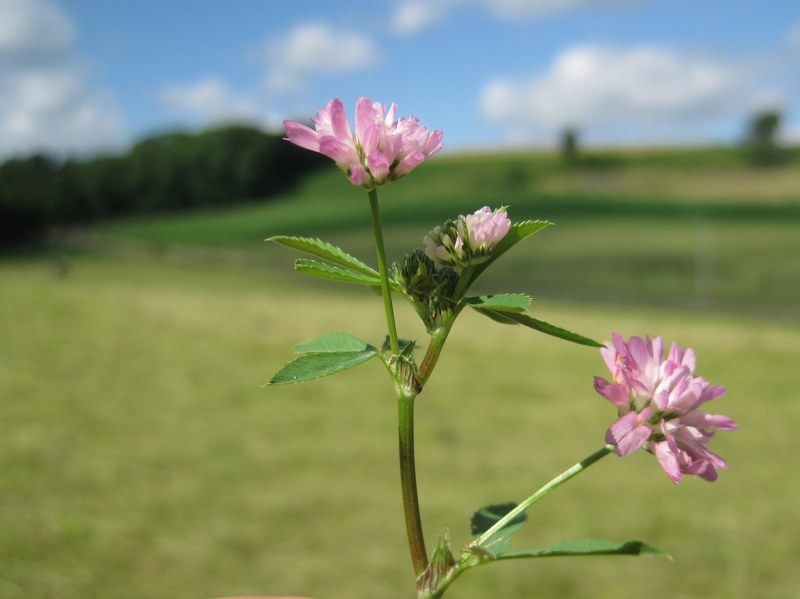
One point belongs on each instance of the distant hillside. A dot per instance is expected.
(176, 172)
(163, 172)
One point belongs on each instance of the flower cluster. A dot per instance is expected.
(468, 240)
(381, 150)
(429, 288)
(658, 402)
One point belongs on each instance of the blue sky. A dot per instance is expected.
(89, 75)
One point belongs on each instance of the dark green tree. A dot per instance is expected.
(568, 145)
(28, 197)
(761, 143)
(169, 171)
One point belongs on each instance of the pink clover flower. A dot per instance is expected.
(658, 400)
(382, 149)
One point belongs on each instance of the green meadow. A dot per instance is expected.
(141, 456)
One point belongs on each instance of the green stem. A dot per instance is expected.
(467, 556)
(405, 409)
(386, 291)
(556, 482)
(408, 481)
(463, 283)
(438, 337)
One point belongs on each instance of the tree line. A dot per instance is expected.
(168, 171)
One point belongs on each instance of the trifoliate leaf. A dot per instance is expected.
(313, 366)
(333, 273)
(586, 547)
(501, 302)
(333, 342)
(324, 250)
(538, 325)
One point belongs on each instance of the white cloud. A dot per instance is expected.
(616, 91)
(33, 25)
(413, 16)
(292, 62)
(511, 9)
(46, 98)
(209, 100)
(312, 50)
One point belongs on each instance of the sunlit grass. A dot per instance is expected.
(141, 457)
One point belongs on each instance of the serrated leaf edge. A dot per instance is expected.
(325, 250)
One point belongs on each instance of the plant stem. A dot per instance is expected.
(438, 337)
(463, 283)
(556, 482)
(386, 291)
(468, 556)
(405, 409)
(408, 481)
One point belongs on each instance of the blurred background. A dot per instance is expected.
(141, 168)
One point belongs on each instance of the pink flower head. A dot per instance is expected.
(468, 240)
(380, 150)
(485, 228)
(657, 400)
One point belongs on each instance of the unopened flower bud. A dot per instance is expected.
(468, 240)
(427, 286)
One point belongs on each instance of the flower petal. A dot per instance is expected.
(378, 166)
(302, 136)
(704, 420)
(409, 163)
(615, 393)
(340, 151)
(339, 123)
(359, 175)
(668, 460)
(366, 116)
(628, 433)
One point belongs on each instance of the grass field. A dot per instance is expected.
(680, 230)
(141, 457)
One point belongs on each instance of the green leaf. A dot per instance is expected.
(333, 273)
(517, 233)
(324, 250)
(501, 302)
(586, 547)
(486, 517)
(316, 365)
(538, 325)
(500, 541)
(333, 342)
(497, 316)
